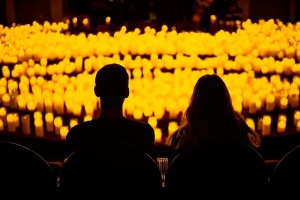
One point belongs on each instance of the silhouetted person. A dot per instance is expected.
(111, 86)
(211, 119)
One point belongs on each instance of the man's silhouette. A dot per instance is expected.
(111, 86)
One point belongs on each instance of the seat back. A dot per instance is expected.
(286, 176)
(113, 170)
(23, 169)
(218, 171)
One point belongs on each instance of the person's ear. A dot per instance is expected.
(126, 93)
(96, 91)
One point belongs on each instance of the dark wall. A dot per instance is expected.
(2, 12)
(269, 9)
(28, 11)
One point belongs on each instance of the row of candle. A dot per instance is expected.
(279, 40)
(264, 123)
(165, 92)
(287, 66)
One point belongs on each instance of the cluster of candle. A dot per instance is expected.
(287, 66)
(46, 41)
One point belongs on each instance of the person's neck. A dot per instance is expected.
(110, 113)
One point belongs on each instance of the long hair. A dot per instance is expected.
(210, 115)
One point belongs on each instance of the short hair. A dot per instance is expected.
(111, 82)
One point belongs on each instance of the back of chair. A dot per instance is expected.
(110, 171)
(286, 177)
(23, 169)
(218, 172)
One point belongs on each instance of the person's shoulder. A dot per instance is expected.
(138, 124)
(81, 128)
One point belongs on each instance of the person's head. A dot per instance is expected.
(210, 113)
(111, 85)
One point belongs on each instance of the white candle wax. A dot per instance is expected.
(39, 128)
(49, 118)
(11, 123)
(57, 125)
(25, 121)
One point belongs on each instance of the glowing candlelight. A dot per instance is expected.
(39, 128)
(172, 127)
(87, 118)
(250, 123)
(11, 123)
(58, 123)
(6, 100)
(137, 114)
(152, 121)
(63, 132)
(25, 121)
(49, 118)
(270, 102)
(1, 125)
(281, 126)
(48, 104)
(158, 135)
(266, 125)
(283, 103)
(73, 122)
(296, 117)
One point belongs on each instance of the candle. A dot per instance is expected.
(40, 103)
(89, 109)
(148, 112)
(13, 101)
(1, 125)
(281, 126)
(49, 122)
(59, 105)
(11, 123)
(294, 100)
(73, 122)
(250, 123)
(259, 124)
(130, 108)
(87, 118)
(21, 104)
(48, 104)
(172, 127)
(39, 128)
(137, 114)
(258, 104)
(296, 116)
(283, 103)
(77, 110)
(159, 112)
(158, 135)
(17, 120)
(298, 126)
(266, 125)
(3, 115)
(252, 105)
(6, 100)
(37, 115)
(282, 117)
(31, 106)
(57, 125)
(270, 102)
(69, 106)
(152, 121)
(25, 121)
(63, 132)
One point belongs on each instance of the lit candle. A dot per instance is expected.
(21, 104)
(49, 122)
(87, 118)
(158, 135)
(89, 109)
(31, 106)
(13, 101)
(57, 125)
(296, 116)
(39, 128)
(266, 125)
(63, 132)
(258, 104)
(1, 125)
(282, 117)
(213, 24)
(259, 124)
(250, 123)
(6, 100)
(40, 103)
(3, 115)
(270, 102)
(298, 126)
(11, 123)
(294, 100)
(152, 121)
(252, 105)
(130, 108)
(73, 122)
(48, 104)
(25, 121)
(37, 115)
(283, 103)
(77, 110)
(159, 112)
(69, 106)
(59, 105)
(281, 126)
(148, 112)
(172, 127)
(17, 120)
(137, 114)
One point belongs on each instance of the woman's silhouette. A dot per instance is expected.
(210, 118)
